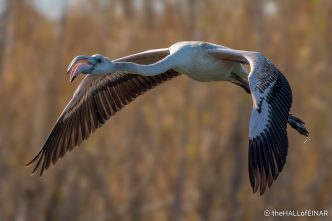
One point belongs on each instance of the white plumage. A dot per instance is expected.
(110, 85)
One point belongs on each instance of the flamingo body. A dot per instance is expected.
(109, 85)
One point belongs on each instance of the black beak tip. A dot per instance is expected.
(72, 79)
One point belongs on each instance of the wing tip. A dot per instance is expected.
(263, 164)
(261, 182)
(34, 159)
(40, 157)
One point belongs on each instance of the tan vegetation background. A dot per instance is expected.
(180, 151)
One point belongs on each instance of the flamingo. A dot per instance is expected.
(110, 85)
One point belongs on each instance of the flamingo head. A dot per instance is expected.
(95, 64)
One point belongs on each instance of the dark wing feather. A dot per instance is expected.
(268, 142)
(272, 99)
(96, 99)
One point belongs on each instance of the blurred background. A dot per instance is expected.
(180, 151)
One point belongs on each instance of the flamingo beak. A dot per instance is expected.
(80, 64)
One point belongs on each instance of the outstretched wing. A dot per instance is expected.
(268, 142)
(272, 100)
(96, 99)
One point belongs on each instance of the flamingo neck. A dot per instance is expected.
(146, 70)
